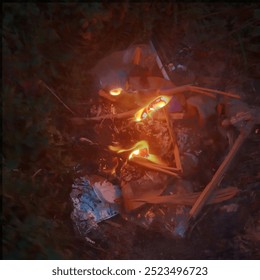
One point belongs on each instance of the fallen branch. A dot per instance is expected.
(218, 176)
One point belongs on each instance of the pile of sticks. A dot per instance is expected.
(210, 194)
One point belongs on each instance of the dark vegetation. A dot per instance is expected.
(58, 44)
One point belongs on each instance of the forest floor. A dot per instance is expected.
(58, 44)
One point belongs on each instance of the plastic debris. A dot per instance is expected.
(90, 208)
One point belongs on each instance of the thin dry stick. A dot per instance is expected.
(217, 92)
(154, 167)
(167, 167)
(173, 140)
(80, 120)
(108, 116)
(204, 92)
(53, 93)
(173, 169)
(182, 89)
(36, 173)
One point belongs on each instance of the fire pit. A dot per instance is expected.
(168, 151)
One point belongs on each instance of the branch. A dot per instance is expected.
(53, 93)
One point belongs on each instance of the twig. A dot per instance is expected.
(53, 93)
(173, 140)
(158, 167)
(108, 116)
(36, 173)
(169, 168)
(206, 91)
(200, 89)
(81, 120)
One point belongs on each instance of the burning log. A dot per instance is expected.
(139, 154)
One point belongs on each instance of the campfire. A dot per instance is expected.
(155, 149)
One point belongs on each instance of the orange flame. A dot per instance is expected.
(116, 91)
(156, 104)
(141, 150)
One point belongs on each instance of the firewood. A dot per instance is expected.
(156, 167)
(218, 176)
(173, 140)
(189, 198)
(206, 91)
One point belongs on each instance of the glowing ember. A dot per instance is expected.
(116, 91)
(139, 150)
(153, 106)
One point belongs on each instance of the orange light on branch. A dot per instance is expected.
(139, 150)
(116, 91)
(156, 104)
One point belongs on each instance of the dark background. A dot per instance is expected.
(58, 43)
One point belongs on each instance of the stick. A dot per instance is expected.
(218, 176)
(154, 167)
(108, 116)
(189, 198)
(201, 90)
(53, 93)
(204, 92)
(80, 120)
(216, 91)
(173, 169)
(173, 139)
